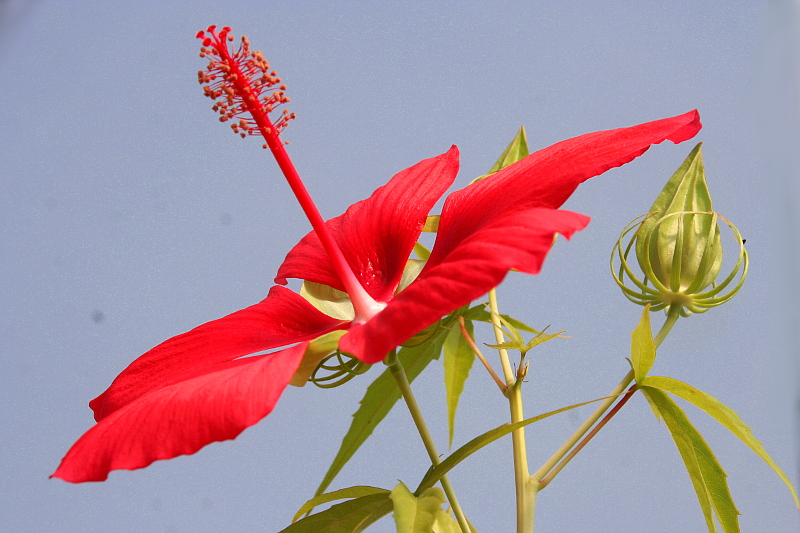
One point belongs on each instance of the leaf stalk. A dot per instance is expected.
(551, 464)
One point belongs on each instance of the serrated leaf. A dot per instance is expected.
(722, 414)
(378, 400)
(435, 473)
(708, 477)
(457, 361)
(352, 516)
(643, 349)
(341, 494)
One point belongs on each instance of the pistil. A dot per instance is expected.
(244, 87)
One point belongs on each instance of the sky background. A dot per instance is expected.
(128, 214)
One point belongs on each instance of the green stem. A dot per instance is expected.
(399, 374)
(508, 372)
(672, 317)
(539, 476)
(554, 472)
(525, 489)
(585, 427)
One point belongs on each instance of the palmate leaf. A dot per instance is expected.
(708, 478)
(379, 399)
(458, 359)
(352, 516)
(722, 414)
(517, 342)
(435, 473)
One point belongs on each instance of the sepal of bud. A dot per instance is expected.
(678, 247)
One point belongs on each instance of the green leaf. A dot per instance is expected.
(341, 494)
(708, 477)
(423, 253)
(431, 224)
(352, 516)
(435, 473)
(330, 301)
(510, 330)
(414, 514)
(445, 523)
(405, 508)
(458, 359)
(480, 314)
(541, 338)
(412, 269)
(518, 343)
(379, 399)
(643, 349)
(722, 414)
(517, 149)
(508, 345)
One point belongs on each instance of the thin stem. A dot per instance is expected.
(554, 472)
(500, 338)
(525, 489)
(480, 356)
(585, 427)
(672, 317)
(399, 374)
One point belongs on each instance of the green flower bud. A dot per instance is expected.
(678, 247)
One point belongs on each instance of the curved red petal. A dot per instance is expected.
(518, 240)
(549, 176)
(183, 417)
(282, 318)
(377, 235)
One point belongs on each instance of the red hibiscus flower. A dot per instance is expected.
(205, 385)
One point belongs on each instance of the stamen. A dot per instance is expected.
(243, 85)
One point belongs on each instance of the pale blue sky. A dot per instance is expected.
(128, 214)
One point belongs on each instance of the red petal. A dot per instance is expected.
(518, 240)
(377, 235)
(282, 318)
(548, 177)
(183, 417)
